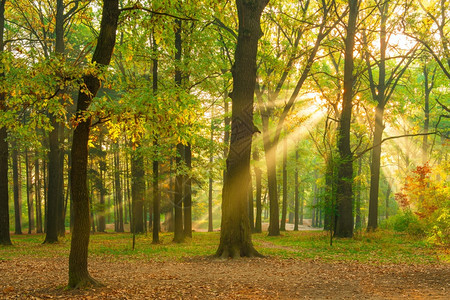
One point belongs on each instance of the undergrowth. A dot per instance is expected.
(380, 247)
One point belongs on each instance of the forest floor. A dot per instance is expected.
(31, 270)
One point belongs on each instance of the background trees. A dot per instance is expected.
(164, 98)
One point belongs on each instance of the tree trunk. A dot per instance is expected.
(296, 200)
(251, 217)
(101, 226)
(55, 173)
(5, 238)
(178, 230)
(358, 224)
(274, 219)
(28, 168)
(375, 168)
(210, 187)
(235, 234)
(53, 187)
(156, 190)
(428, 86)
(388, 194)
(37, 182)
(284, 206)
(17, 191)
(118, 187)
(137, 192)
(257, 170)
(179, 179)
(344, 196)
(187, 199)
(78, 272)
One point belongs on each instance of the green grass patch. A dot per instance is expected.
(381, 247)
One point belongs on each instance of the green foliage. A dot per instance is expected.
(382, 247)
(405, 222)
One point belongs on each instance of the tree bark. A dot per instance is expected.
(78, 272)
(156, 190)
(17, 191)
(257, 170)
(344, 196)
(137, 192)
(179, 179)
(235, 234)
(358, 224)
(28, 168)
(187, 199)
(375, 168)
(5, 238)
(37, 182)
(296, 200)
(139, 163)
(284, 206)
(251, 217)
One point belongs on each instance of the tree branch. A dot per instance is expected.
(138, 7)
(391, 138)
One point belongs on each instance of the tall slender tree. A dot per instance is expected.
(78, 271)
(344, 197)
(5, 238)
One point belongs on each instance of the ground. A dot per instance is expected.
(207, 278)
(296, 266)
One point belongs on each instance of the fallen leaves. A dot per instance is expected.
(207, 278)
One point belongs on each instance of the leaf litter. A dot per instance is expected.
(210, 278)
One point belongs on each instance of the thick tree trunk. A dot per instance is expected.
(344, 197)
(235, 234)
(53, 187)
(55, 173)
(5, 238)
(78, 272)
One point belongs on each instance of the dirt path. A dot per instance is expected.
(206, 278)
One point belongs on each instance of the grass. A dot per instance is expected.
(381, 247)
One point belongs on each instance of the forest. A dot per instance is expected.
(304, 135)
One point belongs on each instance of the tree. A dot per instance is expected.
(344, 223)
(235, 235)
(5, 238)
(381, 92)
(293, 52)
(78, 272)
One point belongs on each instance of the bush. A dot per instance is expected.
(440, 231)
